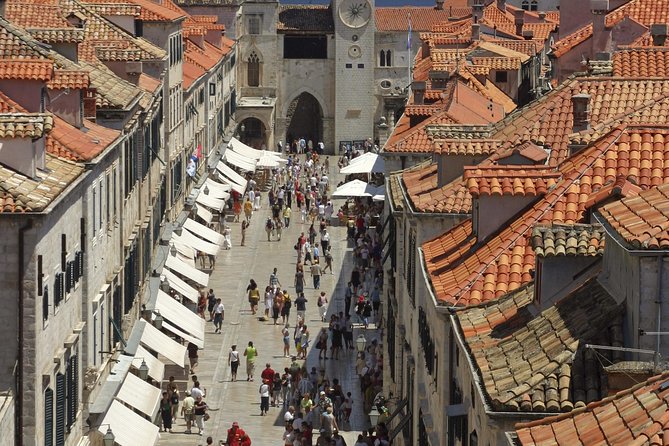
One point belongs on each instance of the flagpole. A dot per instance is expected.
(409, 48)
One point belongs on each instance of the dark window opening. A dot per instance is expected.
(253, 70)
(305, 47)
(534, 5)
(385, 58)
(361, 65)
(501, 76)
(349, 65)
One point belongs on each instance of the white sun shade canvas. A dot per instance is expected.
(233, 185)
(155, 365)
(182, 334)
(203, 231)
(216, 186)
(231, 174)
(238, 160)
(186, 270)
(140, 395)
(204, 214)
(366, 163)
(179, 315)
(153, 339)
(216, 204)
(180, 286)
(129, 428)
(244, 149)
(197, 243)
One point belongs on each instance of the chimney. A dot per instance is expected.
(3, 3)
(658, 32)
(90, 108)
(601, 37)
(581, 112)
(501, 5)
(477, 10)
(542, 16)
(439, 5)
(519, 21)
(476, 32)
(528, 34)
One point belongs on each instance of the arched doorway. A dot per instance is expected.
(305, 119)
(252, 132)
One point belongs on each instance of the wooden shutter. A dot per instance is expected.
(72, 390)
(60, 409)
(48, 417)
(45, 306)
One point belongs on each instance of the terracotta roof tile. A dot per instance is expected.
(641, 221)
(148, 83)
(19, 193)
(305, 18)
(498, 63)
(539, 364)
(422, 18)
(568, 240)
(527, 47)
(73, 79)
(565, 44)
(509, 180)
(425, 195)
(407, 139)
(637, 416)
(422, 110)
(25, 125)
(26, 69)
(85, 144)
(42, 14)
(57, 35)
(468, 147)
(612, 190)
(107, 8)
(641, 62)
(151, 11)
(395, 189)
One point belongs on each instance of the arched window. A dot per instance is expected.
(525, 5)
(253, 71)
(382, 58)
(389, 62)
(473, 439)
(534, 5)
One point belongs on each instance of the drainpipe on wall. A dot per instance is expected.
(18, 440)
(658, 301)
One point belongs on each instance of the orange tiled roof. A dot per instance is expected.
(107, 8)
(498, 63)
(503, 263)
(612, 190)
(85, 145)
(564, 45)
(407, 139)
(638, 416)
(155, 12)
(26, 69)
(642, 221)
(568, 240)
(509, 180)
(641, 62)
(37, 14)
(73, 79)
(537, 363)
(422, 18)
(422, 110)
(148, 83)
(57, 35)
(467, 147)
(190, 73)
(425, 195)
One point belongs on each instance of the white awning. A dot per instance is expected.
(155, 365)
(239, 160)
(179, 315)
(355, 188)
(129, 428)
(231, 174)
(182, 248)
(366, 163)
(153, 339)
(233, 185)
(268, 162)
(216, 204)
(216, 186)
(180, 286)
(140, 395)
(197, 243)
(182, 334)
(186, 270)
(203, 231)
(204, 214)
(243, 149)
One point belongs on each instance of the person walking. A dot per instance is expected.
(285, 333)
(244, 226)
(248, 210)
(304, 341)
(187, 411)
(211, 303)
(325, 240)
(287, 212)
(166, 412)
(192, 356)
(285, 310)
(200, 411)
(301, 306)
(235, 434)
(328, 423)
(233, 361)
(264, 392)
(316, 274)
(322, 305)
(328, 262)
(254, 295)
(227, 241)
(299, 280)
(219, 315)
(251, 353)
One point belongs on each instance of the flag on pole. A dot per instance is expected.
(409, 33)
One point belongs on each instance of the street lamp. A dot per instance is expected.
(143, 370)
(173, 249)
(158, 320)
(206, 191)
(374, 416)
(361, 343)
(109, 437)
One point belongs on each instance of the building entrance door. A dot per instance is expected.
(305, 119)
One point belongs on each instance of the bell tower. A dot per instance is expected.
(354, 70)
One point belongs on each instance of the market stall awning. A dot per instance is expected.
(236, 187)
(243, 149)
(216, 204)
(238, 160)
(140, 395)
(155, 365)
(153, 339)
(197, 243)
(181, 287)
(216, 186)
(204, 214)
(355, 188)
(203, 231)
(366, 163)
(232, 175)
(268, 162)
(129, 428)
(186, 270)
(176, 331)
(179, 315)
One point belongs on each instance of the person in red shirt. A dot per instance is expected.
(268, 373)
(245, 440)
(235, 435)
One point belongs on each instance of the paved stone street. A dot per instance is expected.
(240, 401)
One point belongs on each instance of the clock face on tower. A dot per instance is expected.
(355, 13)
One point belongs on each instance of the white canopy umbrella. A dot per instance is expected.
(239, 160)
(243, 149)
(267, 162)
(367, 163)
(355, 188)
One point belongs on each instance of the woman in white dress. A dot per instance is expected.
(227, 242)
(256, 201)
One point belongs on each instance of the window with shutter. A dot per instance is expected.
(57, 288)
(45, 303)
(80, 268)
(60, 409)
(68, 277)
(48, 417)
(72, 390)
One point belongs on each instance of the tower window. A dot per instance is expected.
(254, 24)
(385, 58)
(253, 70)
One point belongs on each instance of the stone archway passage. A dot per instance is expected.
(305, 119)
(252, 132)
